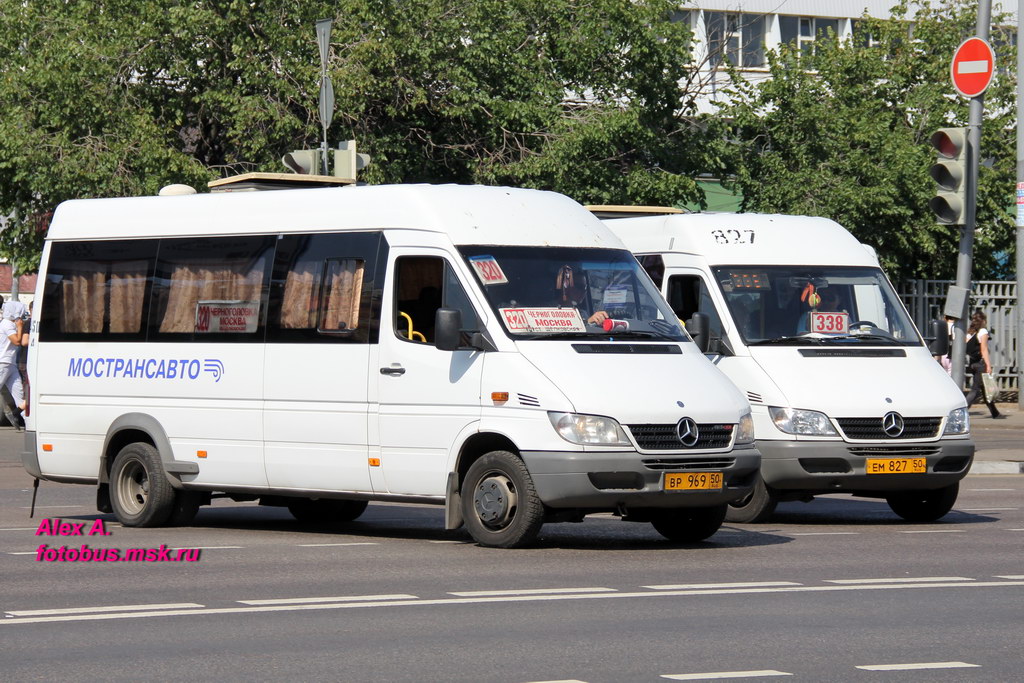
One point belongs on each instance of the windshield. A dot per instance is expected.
(814, 305)
(570, 292)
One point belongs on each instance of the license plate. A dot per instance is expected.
(895, 465)
(693, 481)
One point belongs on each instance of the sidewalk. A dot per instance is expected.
(1000, 447)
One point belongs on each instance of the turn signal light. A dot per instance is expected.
(499, 396)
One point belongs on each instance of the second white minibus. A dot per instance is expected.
(846, 396)
(496, 351)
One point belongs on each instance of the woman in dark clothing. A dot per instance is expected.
(979, 361)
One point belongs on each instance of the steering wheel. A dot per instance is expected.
(860, 323)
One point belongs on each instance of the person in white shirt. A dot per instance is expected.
(11, 329)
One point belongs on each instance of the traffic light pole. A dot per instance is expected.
(964, 259)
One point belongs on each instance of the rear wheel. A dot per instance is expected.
(500, 506)
(688, 525)
(326, 510)
(139, 491)
(924, 506)
(757, 506)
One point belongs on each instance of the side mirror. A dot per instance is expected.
(939, 345)
(699, 327)
(447, 326)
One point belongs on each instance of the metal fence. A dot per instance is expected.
(925, 299)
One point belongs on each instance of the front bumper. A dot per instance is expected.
(628, 479)
(839, 466)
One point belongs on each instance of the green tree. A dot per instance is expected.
(844, 132)
(120, 98)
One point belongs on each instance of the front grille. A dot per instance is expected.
(871, 427)
(688, 463)
(894, 451)
(664, 437)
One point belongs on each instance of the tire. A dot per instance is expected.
(500, 507)
(757, 506)
(326, 510)
(924, 506)
(689, 525)
(186, 505)
(139, 491)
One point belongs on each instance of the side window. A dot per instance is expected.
(322, 289)
(688, 294)
(424, 284)
(211, 289)
(655, 267)
(97, 290)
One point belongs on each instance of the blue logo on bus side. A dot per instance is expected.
(148, 368)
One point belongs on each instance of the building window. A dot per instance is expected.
(735, 38)
(802, 32)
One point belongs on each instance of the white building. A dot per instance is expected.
(741, 31)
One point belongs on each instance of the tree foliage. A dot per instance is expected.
(122, 97)
(844, 133)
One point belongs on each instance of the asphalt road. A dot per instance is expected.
(838, 589)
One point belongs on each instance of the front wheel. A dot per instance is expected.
(499, 502)
(923, 506)
(757, 506)
(689, 525)
(140, 494)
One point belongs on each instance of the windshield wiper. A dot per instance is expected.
(786, 341)
(561, 335)
(865, 337)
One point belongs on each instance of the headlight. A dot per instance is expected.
(588, 429)
(958, 422)
(804, 422)
(745, 429)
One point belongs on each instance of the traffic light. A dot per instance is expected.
(950, 174)
(304, 161)
(348, 162)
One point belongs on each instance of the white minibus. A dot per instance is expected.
(846, 396)
(493, 350)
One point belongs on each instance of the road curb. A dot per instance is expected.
(996, 467)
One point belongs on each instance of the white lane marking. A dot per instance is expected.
(329, 545)
(976, 66)
(934, 531)
(826, 533)
(529, 591)
(50, 507)
(21, 528)
(1012, 577)
(698, 586)
(109, 608)
(1014, 530)
(340, 598)
(26, 552)
(919, 665)
(725, 674)
(447, 541)
(985, 509)
(209, 547)
(506, 598)
(900, 580)
(990, 489)
(564, 680)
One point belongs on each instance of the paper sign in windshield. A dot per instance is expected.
(617, 294)
(227, 316)
(543, 320)
(829, 323)
(488, 269)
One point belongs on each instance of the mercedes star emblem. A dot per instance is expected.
(892, 424)
(686, 430)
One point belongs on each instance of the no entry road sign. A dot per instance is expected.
(972, 67)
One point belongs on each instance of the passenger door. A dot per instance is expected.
(426, 397)
(324, 315)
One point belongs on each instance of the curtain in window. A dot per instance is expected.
(206, 281)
